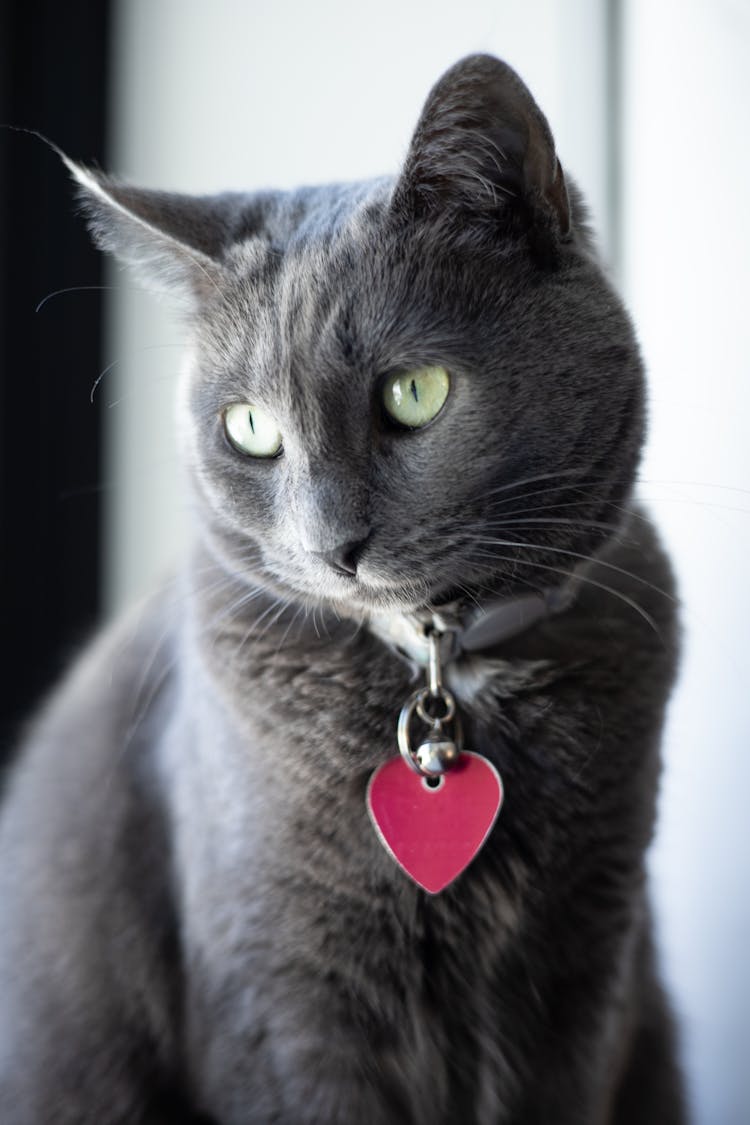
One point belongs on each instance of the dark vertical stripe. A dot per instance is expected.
(53, 78)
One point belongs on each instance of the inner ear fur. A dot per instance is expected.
(174, 242)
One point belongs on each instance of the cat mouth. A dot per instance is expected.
(368, 592)
(367, 588)
(400, 596)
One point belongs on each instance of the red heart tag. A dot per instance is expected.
(433, 833)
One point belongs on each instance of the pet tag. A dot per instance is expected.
(434, 826)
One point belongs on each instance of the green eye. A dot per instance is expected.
(414, 398)
(252, 430)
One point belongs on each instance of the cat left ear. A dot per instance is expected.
(483, 147)
(172, 241)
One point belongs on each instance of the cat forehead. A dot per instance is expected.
(310, 283)
(274, 224)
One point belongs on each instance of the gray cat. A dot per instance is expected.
(411, 424)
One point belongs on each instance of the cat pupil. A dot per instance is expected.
(250, 420)
(414, 390)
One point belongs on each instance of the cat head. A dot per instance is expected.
(403, 390)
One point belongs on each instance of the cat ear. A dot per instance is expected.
(171, 241)
(482, 146)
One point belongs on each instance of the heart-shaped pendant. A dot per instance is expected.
(433, 827)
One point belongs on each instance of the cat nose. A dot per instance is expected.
(344, 557)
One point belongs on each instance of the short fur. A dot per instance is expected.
(199, 923)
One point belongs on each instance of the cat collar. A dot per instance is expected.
(464, 633)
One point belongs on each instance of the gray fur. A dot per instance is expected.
(198, 920)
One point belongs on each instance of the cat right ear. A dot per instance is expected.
(173, 242)
(482, 150)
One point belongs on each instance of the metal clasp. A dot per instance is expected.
(435, 706)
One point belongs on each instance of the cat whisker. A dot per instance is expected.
(295, 617)
(143, 699)
(587, 488)
(554, 474)
(74, 289)
(142, 702)
(281, 605)
(615, 531)
(555, 506)
(554, 521)
(697, 504)
(225, 576)
(525, 545)
(232, 610)
(122, 359)
(278, 605)
(588, 580)
(693, 484)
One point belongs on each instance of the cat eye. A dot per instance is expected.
(252, 431)
(414, 398)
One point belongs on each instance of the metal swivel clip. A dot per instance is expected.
(435, 706)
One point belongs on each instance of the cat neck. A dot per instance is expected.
(471, 628)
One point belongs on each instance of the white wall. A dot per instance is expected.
(687, 279)
(215, 94)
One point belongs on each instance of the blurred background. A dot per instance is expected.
(648, 104)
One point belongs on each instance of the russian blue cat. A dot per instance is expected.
(413, 409)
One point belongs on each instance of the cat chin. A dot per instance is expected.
(364, 599)
(353, 596)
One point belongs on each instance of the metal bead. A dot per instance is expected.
(436, 753)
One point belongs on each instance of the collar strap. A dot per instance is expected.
(472, 631)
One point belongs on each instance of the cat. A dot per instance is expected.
(412, 416)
